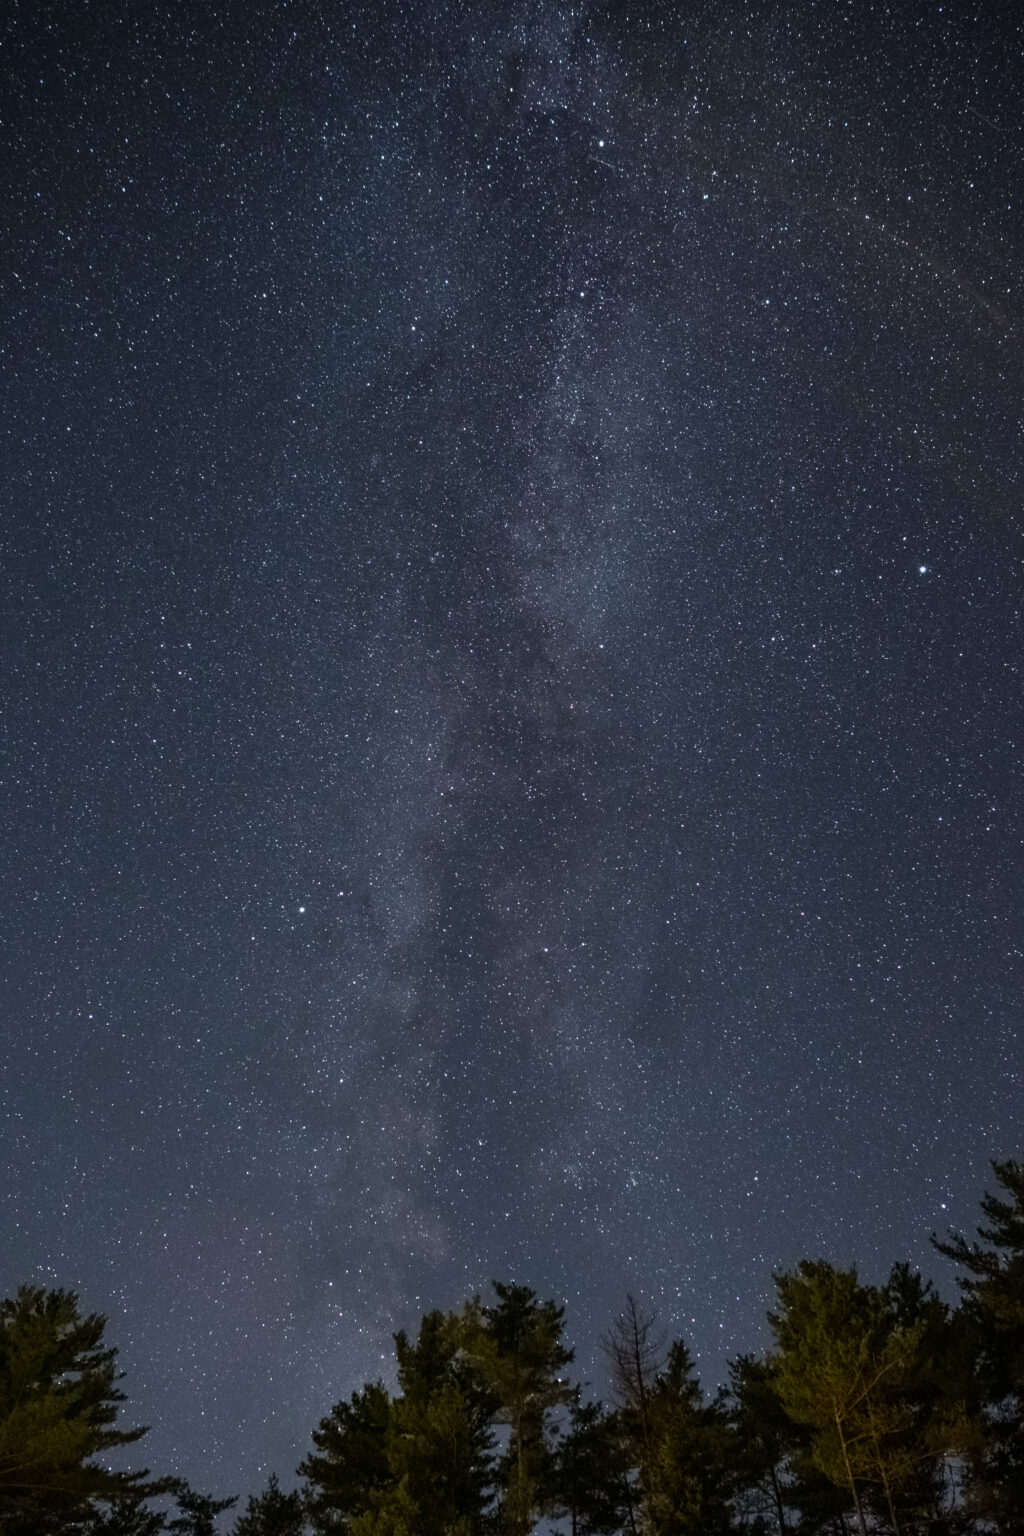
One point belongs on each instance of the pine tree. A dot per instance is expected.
(272, 1513)
(517, 1348)
(849, 1368)
(995, 1274)
(691, 1477)
(197, 1512)
(350, 1463)
(992, 1317)
(590, 1472)
(439, 1441)
(766, 1442)
(122, 1517)
(59, 1402)
(419, 1464)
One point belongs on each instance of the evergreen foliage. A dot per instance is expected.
(878, 1410)
(517, 1348)
(272, 1513)
(690, 1480)
(59, 1400)
(992, 1337)
(766, 1443)
(846, 1367)
(591, 1472)
(197, 1512)
(350, 1464)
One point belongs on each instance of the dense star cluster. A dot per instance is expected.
(512, 578)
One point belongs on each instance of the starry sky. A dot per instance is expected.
(511, 565)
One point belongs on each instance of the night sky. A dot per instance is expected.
(511, 563)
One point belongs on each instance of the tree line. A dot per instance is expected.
(876, 1409)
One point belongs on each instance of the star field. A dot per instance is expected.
(512, 581)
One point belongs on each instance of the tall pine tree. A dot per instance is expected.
(690, 1477)
(849, 1367)
(517, 1347)
(350, 1463)
(59, 1401)
(992, 1317)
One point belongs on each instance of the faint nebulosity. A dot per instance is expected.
(512, 573)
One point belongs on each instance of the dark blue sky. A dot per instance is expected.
(512, 569)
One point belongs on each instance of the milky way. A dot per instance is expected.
(512, 569)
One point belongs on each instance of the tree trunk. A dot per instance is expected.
(883, 1477)
(853, 1482)
(780, 1508)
